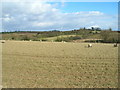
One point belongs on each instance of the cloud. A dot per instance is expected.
(95, 26)
(46, 16)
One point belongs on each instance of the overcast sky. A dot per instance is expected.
(58, 15)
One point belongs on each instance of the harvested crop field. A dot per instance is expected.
(32, 64)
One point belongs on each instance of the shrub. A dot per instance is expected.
(110, 37)
(43, 39)
(74, 38)
(67, 39)
(24, 37)
(13, 38)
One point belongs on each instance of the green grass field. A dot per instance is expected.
(61, 36)
(35, 64)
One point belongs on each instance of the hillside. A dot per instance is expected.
(67, 36)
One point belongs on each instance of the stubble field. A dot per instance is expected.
(35, 64)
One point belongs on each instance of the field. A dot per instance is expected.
(32, 64)
(54, 38)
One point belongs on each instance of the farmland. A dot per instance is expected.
(32, 64)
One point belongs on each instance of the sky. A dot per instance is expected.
(45, 16)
